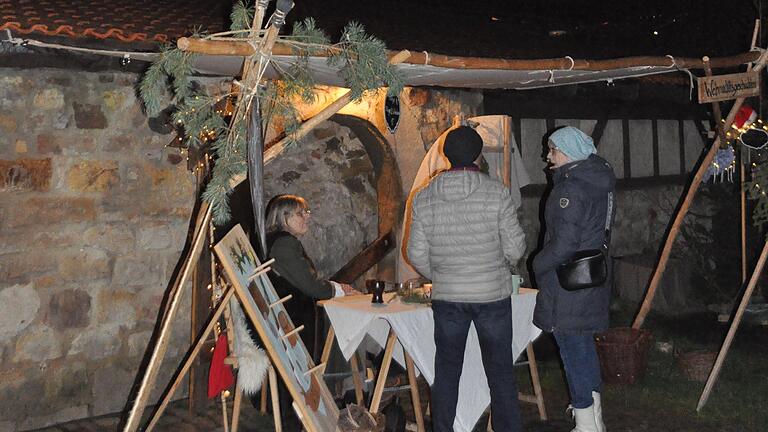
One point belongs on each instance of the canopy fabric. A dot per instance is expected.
(428, 75)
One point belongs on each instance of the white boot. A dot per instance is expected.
(585, 419)
(598, 412)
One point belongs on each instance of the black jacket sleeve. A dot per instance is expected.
(292, 263)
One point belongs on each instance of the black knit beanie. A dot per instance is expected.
(462, 146)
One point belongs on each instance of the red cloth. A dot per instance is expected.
(220, 375)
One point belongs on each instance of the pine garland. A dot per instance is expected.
(363, 65)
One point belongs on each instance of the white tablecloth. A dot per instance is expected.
(354, 317)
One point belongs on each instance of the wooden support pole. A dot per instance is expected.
(188, 361)
(683, 210)
(326, 353)
(354, 364)
(161, 344)
(742, 184)
(236, 407)
(264, 394)
(244, 49)
(719, 127)
(381, 379)
(415, 398)
(275, 399)
(506, 172)
(713, 374)
(224, 411)
(534, 370)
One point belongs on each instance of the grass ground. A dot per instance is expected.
(664, 399)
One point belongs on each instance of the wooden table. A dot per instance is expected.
(412, 327)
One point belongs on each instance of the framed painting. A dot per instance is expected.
(312, 399)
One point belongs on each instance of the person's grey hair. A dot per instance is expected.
(279, 210)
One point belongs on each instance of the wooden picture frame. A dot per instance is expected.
(312, 399)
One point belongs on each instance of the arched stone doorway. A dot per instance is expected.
(347, 171)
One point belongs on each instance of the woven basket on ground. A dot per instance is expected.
(623, 354)
(696, 365)
(354, 418)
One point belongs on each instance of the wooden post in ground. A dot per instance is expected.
(713, 374)
(202, 277)
(665, 252)
(742, 182)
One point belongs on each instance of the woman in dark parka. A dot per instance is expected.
(575, 216)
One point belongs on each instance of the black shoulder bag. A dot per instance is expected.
(588, 268)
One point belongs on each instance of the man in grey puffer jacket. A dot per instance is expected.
(465, 237)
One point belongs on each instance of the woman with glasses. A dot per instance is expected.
(293, 271)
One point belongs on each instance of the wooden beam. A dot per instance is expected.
(625, 149)
(245, 49)
(681, 144)
(597, 133)
(366, 259)
(655, 147)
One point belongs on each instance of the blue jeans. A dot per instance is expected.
(582, 367)
(493, 322)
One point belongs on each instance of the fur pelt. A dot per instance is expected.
(252, 361)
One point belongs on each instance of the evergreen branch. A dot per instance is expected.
(241, 16)
(363, 63)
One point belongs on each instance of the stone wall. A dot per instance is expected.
(94, 212)
(93, 215)
(332, 171)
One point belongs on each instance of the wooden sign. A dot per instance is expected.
(304, 381)
(725, 87)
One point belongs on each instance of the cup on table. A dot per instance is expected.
(517, 280)
(376, 287)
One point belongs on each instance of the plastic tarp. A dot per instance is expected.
(427, 75)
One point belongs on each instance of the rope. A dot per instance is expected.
(674, 63)
(31, 42)
(573, 63)
(690, 83)
(426, 58)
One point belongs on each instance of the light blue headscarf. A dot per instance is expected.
(574, 143)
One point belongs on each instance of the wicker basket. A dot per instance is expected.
(623, 354)
(355, 418)
(696, 365)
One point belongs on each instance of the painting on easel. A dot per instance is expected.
(260, 302)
